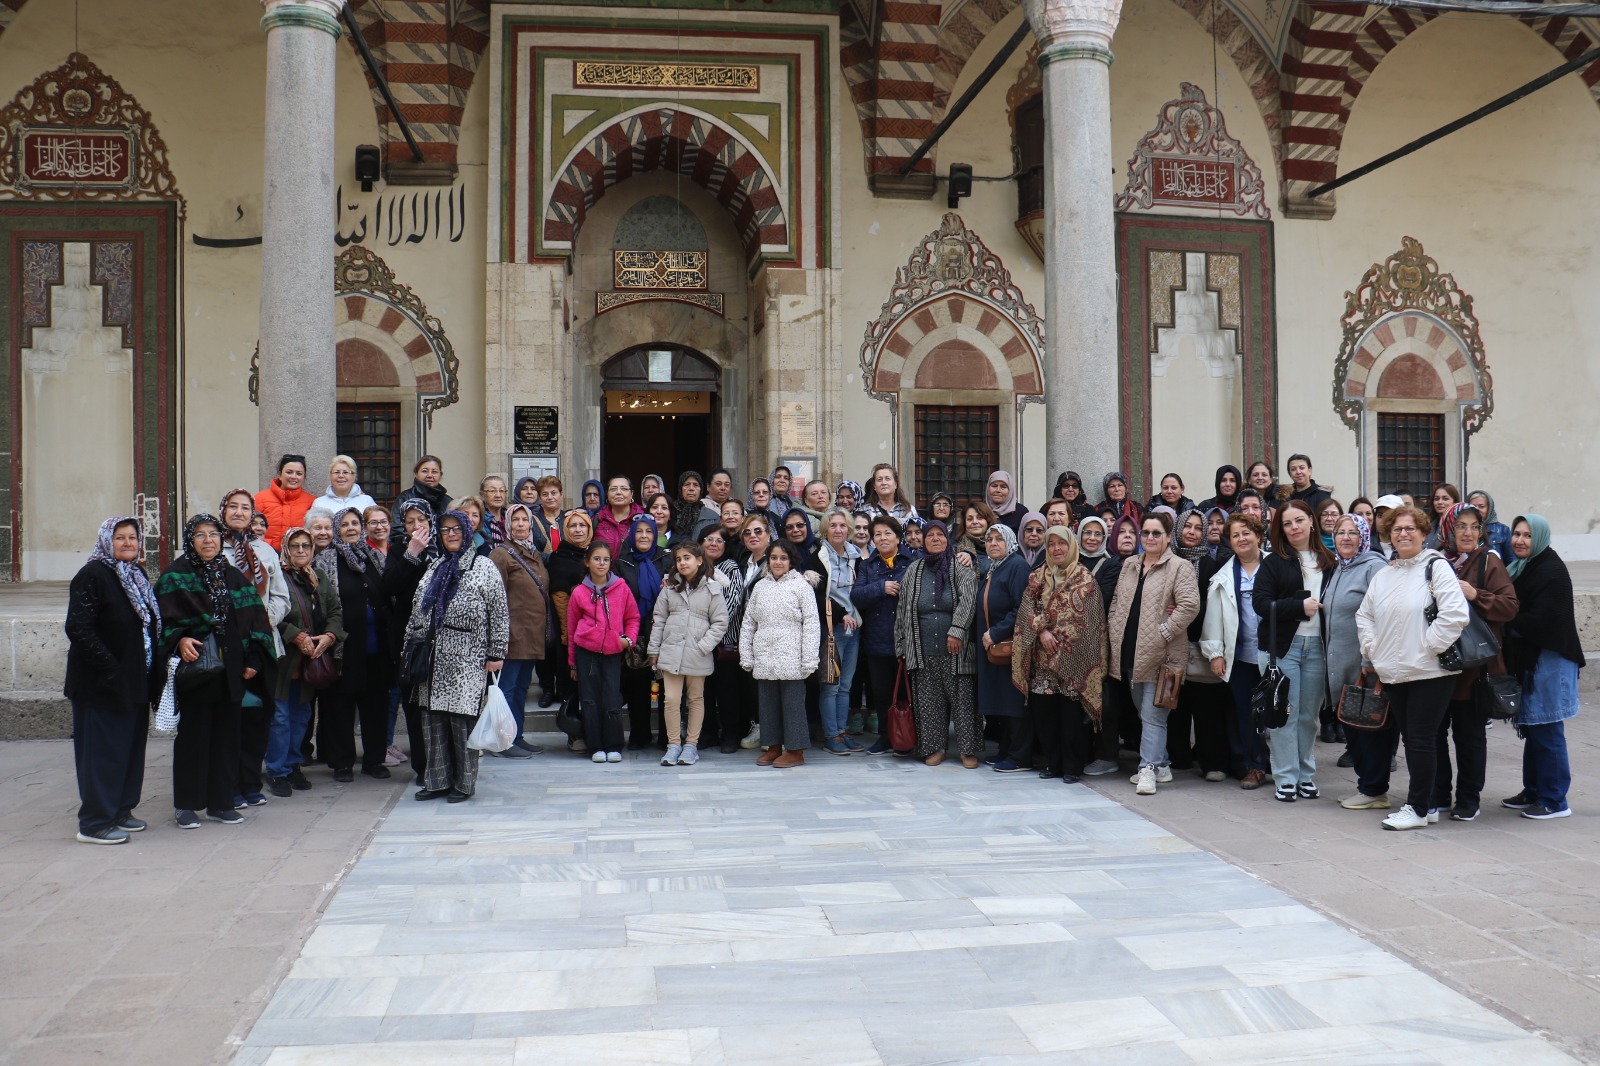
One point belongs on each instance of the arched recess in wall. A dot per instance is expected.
(1411, 378)
(956, 353)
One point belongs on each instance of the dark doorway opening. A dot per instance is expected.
(662, 414)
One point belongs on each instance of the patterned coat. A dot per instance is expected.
(475, 630)
(780, 637)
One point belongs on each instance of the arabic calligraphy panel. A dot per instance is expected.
(60, 158)
(675, 270)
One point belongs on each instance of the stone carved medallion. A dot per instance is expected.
(1190, 160)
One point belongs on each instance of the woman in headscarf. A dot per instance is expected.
(1059, 658)
(782, 478)
(408, 560)
(366, 657)
(567, 570)
(1197, 730)
(797, 531)
(1001, 495)
(113, 675)
(943, 507)
(759, 500)
(1369, 750)
(651, 484)
(461, 608)
(848, 495)
(1118, 499)
(310, 629)
(1216, 520)
(1030, 536)
(999, 595)
(200, 597)
(688, 510)
(1543, 652)
(1495, 532)
(1227, 484)
(1105, 566)
(1095, 554)
(644, 565)
(911, 536)
(1069, 487)
(532, 619)
(933, 634)
(262, 568)
(592, 497)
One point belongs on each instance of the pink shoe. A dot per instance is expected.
(394, 756)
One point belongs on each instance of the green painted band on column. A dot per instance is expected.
(1057, 53)
(294, 15)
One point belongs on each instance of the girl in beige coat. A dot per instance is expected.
(691, 616)
(1157, 597)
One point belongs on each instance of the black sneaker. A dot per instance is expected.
(298, 781)
(240, 803)
(880, 748)
(108, 834)
(279, 786)
(345, 776)
(1462, 813)
(1541, 812)
(187, 819)
(1346, 761)
(1520, 802)
(225, 816)
(1308, 791)
(255, 799)
(379, 772)
(129, 824)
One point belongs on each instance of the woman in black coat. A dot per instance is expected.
(113, 676)
(642, 564)
(999, 595)
(367, 656)
(409, 556)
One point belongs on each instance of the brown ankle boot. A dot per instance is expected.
(935, 759)
(770, 755)
(790, 758)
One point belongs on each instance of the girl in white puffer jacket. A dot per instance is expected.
(780, 643)
(691, 615)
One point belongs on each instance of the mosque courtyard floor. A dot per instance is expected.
(851, 911)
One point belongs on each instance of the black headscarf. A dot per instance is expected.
(938, 565)
(447, 574)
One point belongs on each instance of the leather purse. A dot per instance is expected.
(831, 667)
(416, 663)
(1169, 685)
(998, 653)
(1497, 696)
(320, 673)
(1269, 700)
(902, 725)
(1362, 707)
(1477, 645)
(205, 669)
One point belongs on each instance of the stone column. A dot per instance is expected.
(298, 375)
(1082, 427)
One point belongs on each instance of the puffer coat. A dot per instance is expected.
(780, 638)
(475, 631)
(689, 624)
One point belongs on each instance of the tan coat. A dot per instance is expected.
(525, 599)
(1170, 583)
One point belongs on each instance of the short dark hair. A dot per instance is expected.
(790, 552)
(1160, 517)
(434, 459)
(724, 471)
(1302, 456)
(888, 522)
(289, 457)
(1249, 493)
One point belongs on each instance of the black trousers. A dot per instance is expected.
(1420, 708)
(1017, 736)
(551, 671)
(254, 725)
(881, 671)
(726, 704)
(1472, 754)
(417, 733)
(108, 751)
(1197, 732)
(1119, 720)
(600, 699)
(338, 741)
(1062, 728)
(205, 755)
(636, 694)
(1371, 751)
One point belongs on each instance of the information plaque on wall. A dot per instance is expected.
(535, 429)
(534, 466)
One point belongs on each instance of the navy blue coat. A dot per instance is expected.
(1007, 581)
(876, 606)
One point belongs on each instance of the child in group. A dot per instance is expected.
(691, 616)
(603, 621)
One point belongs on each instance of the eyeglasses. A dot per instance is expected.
(1348, 533)
(1153, 533)
(1408, 530)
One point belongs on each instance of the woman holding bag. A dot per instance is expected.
(310, 629)
(933, 634)
(532, 619)
(460, 608)
(1000, 593)
(1370, 749)
(691, 616)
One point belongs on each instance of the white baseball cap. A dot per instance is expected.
(1387, 503)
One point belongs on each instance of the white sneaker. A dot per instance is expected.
(671, 756)
(598, 756)
(753, 739)
(1405, 818)
(1145, 781)
(1433, 815)
(1163, 775)
(690, 756)
(613, 756)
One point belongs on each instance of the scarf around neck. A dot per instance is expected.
(649, 572)
(938, 565)
(446, 579)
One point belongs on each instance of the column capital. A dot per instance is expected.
(1070, 29)
(317, 14)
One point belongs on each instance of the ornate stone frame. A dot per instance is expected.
(1190, 129)
(1407, 306)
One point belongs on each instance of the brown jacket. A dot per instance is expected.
(525, 599)
(1496, 603)
(1171, 583)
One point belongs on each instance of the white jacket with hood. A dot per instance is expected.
(1395, 634)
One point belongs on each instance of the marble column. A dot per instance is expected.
(1082, 426)
(298, 374)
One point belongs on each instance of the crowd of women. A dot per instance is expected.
(808, 613)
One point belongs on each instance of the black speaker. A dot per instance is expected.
(369, 165)
(960, 182)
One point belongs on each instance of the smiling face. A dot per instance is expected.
(378, 527)
(1228, 485)
(721, 488)
(1092, 537)
(519, 525)
(715, 545)
(975, 524)
(1193, 533)
(643, 539)
(1059, 550)
(1154, 537)
(861, 531)
(237, 510)
(1346, 538)
(341, 475)
(598, 563)
(781, 480)
(471, 511)
(1214, 527)
(1297, 528)
(350, 529)
(1522, 540)
(292, 476)
(1300, 473)
(732, 514)
(575, 531)
(451, 535)
(1469, 531)
(430, 473)
(1171, 490)
(756, 537)
(1071, 491)
(1246, 545)
(207, 541)
(1364, 509)
(1406, 537)
(998, 493)
(686, 564)
(1260, 476)
(913, 536)
(661, 511)
(321, 528)
(887, 543)
(125, 543)
(817, 495)
(1442, 501)
(1032, 534)
(1328, 519)
(795, 528)
(778, 563)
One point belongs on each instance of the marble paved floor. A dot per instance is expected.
(855, 910)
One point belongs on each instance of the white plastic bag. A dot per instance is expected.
(166, 720)
(496, 728)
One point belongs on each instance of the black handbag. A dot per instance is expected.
(1497, 696)
(204, 670)
(1269, 700)
(1477, 645)
(569, 717)
(416, 663)
(1361, 707)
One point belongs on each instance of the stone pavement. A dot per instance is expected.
(852, 911)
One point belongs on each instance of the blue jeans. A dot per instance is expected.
(1546, 772)
(289, 721)
(1293, 747)
(1153, 722)
(834, 702)
(515, 677)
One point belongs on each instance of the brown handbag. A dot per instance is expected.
(1169, 683)
(998, 653)
(831, 667)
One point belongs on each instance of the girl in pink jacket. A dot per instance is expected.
(603, 622)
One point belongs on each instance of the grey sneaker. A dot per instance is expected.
(108, 835)
(1100, 767)
(690, 755)
(671, 757)
(186, 819)
(613, 756)
(753, 738)
(1163, 775)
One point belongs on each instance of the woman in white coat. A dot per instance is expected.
(1403, 647)
(780, 643)
(342, 488)
(691, 615)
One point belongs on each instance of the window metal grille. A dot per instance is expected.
(957, 449)
(369, 433)
(1410, 454)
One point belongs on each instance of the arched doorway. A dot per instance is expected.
(662, 413)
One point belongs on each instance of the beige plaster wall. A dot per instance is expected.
(199, 67)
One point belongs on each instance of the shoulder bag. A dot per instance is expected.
(1269, 700)
(831, 667)
(902, 726)
(1477, 645)
(207, 668)
(1497, 696)
(998, 653)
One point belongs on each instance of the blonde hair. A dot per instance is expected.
(347, 461)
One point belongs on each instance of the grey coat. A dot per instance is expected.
(907, 622)
(1340, 599)
(475, 630)
(689, 624)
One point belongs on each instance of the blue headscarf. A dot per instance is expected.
(938, 565)
(649, 573)
(598, 488)
(447, 573)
